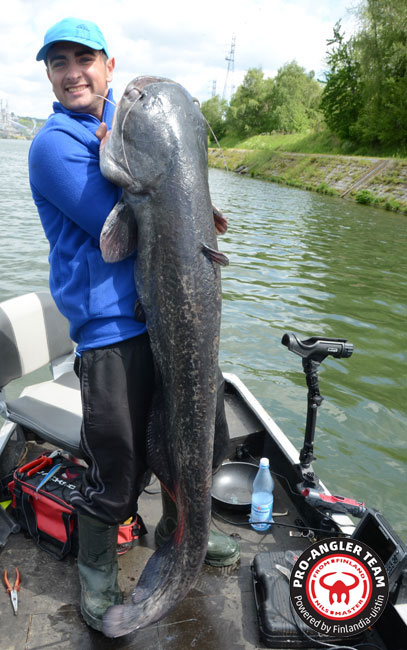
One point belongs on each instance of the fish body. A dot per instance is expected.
(157, 152)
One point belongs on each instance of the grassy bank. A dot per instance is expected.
(374, 180)
(315, 142)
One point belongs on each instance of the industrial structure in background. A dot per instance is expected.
(230, 58)
(12, 126)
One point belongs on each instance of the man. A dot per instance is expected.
(114, 360)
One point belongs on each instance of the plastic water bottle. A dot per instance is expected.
(262, 497)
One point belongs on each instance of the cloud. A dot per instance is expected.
(179, 40)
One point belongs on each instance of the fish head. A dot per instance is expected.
(155, 121)
(158, 142)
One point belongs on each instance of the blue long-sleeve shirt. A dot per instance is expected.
(73, 200)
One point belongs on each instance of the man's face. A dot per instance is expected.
(78, 74)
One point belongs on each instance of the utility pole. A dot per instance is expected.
(214, 88)
(231, 64)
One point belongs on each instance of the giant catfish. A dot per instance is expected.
(157, 152)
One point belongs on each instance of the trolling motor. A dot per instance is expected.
(313, 351)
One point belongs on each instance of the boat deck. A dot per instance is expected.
(219, 611)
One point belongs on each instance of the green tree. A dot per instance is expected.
(214, 111)
(366, 85)
(382, 48)
(250, 107)
(341, 98)
(295, 100)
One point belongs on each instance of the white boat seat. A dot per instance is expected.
(34, 333)
(52, 409)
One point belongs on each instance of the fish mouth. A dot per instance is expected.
(136, 87)
(140, 83)
(115, 170)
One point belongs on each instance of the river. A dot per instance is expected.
(303, 263)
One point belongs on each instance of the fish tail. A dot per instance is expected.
(119, 620)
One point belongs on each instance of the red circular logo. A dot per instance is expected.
(339, 587)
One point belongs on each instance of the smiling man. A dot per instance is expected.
(114, 361)
(79, 76)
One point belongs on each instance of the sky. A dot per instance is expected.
(182, 40)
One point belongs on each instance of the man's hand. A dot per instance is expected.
(102, 135)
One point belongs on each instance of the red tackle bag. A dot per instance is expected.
(47, 514)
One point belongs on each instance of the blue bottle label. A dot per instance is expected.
(261, 513)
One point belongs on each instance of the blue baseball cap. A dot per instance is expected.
(74, 30)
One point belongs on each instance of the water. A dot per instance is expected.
(23, 246)
(315, 265)
(299, 262)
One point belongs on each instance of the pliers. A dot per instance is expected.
(12, 590)
(38, 464)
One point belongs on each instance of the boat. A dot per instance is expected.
(243, 607)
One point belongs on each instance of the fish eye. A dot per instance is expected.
(133, 94)
(196, 102)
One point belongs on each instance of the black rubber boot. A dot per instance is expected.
(97, 565)
(168, 521)
(222, 550)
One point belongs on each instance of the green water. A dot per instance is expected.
(312, 265)
(303, 263)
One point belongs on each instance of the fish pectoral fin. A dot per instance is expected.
(118, 238)
(221, 223)
(214, 255)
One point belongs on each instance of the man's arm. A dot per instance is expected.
(65, 171)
